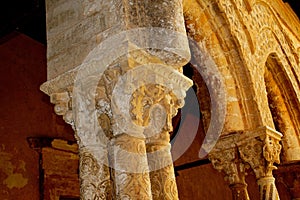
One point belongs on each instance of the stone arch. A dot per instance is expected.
(283, 107)
(210, 29)
(275, 47)
(261, 26)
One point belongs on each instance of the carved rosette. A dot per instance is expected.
(261, 149)
(224, 158)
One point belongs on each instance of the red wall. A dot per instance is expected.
(25, 112)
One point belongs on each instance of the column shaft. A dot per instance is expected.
(130, 167)
(94, 175)
(239, 191)
(267, 188)
(162, 176)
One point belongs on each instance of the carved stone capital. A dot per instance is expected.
(154, 105)
(261, 149)
(224, 157)
(147, 96)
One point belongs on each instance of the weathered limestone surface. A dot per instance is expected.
(100, 53)
(252, 45)
(249, 60)
(257, 54)
(225, 158)
(75, 28)
(259, 149)
(70, 33)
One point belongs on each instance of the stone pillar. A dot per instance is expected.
(145, 149)
(154, 107)
(125, 143)
(224, 157)
(94, 174)
(130, 172)
(99, 53)
(261, 149)
(162, 174)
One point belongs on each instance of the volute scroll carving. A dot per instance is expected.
(63, 105)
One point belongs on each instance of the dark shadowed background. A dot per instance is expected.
(28, 17)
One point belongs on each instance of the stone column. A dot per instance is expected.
(261, 149)
(141, 140)
(162, 174)
(224, 157)
(94, 174)
(99, 54)
(130, 170)
(154, 107)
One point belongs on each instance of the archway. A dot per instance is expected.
(283, 108)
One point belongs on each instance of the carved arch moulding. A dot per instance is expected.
(241, 60)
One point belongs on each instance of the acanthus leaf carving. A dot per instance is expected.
(225, 158)
(261, 149)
